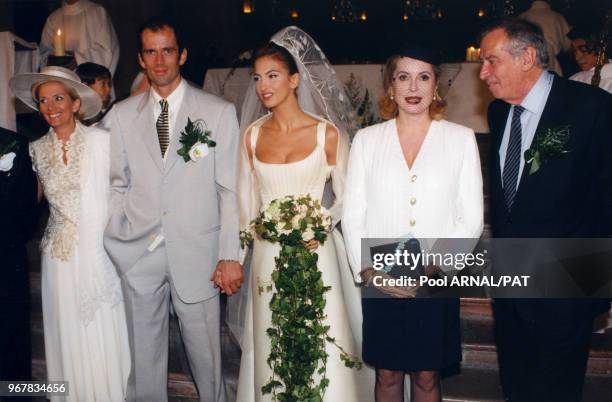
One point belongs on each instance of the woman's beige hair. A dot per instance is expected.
(387, 108)
(69, 90)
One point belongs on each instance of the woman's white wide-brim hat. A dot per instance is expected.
(23, 85)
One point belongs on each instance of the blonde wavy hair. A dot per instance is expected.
(387, 107)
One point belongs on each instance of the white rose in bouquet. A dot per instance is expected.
(274, 210)
(280, 228)
(295, 221)
(308, 234)
(197, 151)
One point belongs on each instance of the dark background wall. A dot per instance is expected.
(217, 31)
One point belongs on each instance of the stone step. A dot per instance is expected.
(476, 307)
(472, 385)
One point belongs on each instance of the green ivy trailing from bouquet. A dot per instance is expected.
(298, 334)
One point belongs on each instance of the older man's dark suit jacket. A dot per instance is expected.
(541, 357)
(570, 196)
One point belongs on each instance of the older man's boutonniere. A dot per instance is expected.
(196, 141)
(548, 143)
(8, 152)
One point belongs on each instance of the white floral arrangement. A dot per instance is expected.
(290, 220)
(195, 140)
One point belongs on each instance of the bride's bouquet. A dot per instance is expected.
(290, 221)
(298, 334)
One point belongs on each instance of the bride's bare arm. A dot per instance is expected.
(331, 144)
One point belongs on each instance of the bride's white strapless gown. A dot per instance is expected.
(307, 176)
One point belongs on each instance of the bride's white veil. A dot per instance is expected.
(321, 94)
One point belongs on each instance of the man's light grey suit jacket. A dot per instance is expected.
(193, 204)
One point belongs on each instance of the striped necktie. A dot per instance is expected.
(513, 157)
(163, 130)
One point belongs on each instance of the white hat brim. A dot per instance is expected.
(22, 84)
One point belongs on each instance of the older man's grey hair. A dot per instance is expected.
(521, 35)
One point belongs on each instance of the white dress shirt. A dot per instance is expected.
(534, 104)
(587, 76)
(175, 100)
(439, 197)
(89, 34)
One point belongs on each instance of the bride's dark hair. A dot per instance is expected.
(279, 53)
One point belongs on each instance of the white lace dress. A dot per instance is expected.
(84, 319)
(307, 176)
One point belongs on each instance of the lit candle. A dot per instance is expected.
(364, 16)
(472, 54)
(247, 8)
(59, 43)
(295, 14)
(481, 12)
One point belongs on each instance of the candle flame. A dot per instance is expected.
(246, 7)
(364, 16)
(59, 32)
(295, 14)
(481, 12)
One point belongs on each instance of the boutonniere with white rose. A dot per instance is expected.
(195, 138)
(8, 152)
(548, 143)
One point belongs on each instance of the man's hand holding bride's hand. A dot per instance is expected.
(228, 276)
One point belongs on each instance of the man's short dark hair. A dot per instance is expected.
(157, 24)
(90, 72)
(521, 34)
